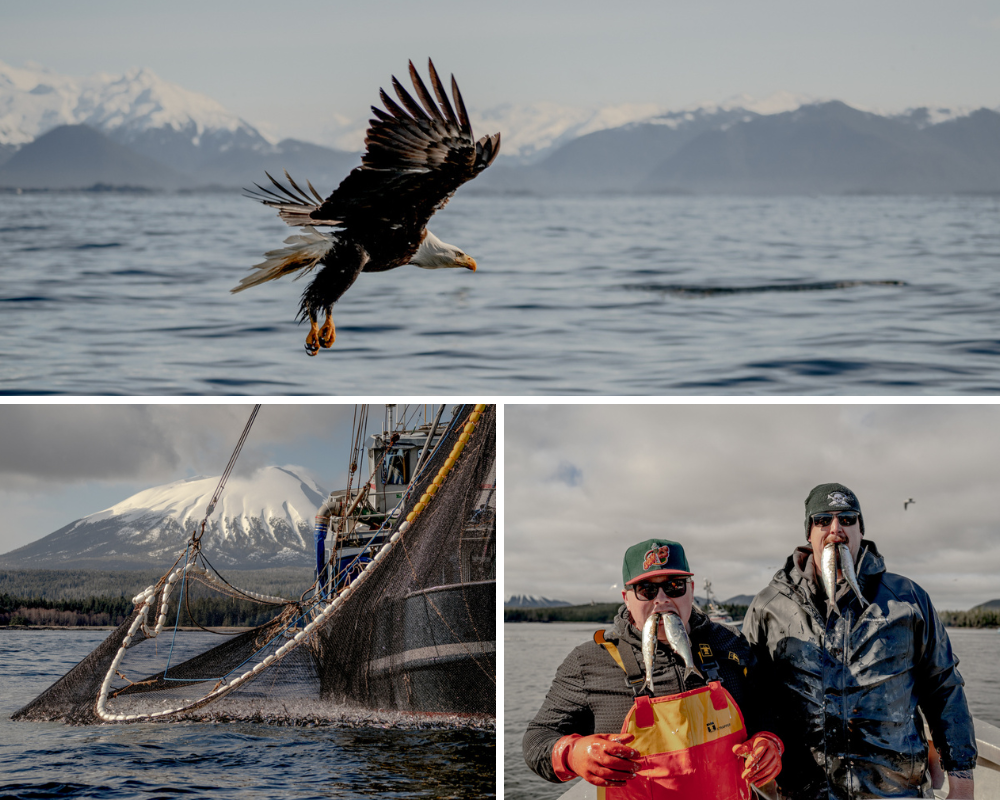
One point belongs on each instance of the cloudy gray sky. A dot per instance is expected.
(292, 68)
(61, 462)
(583, 482)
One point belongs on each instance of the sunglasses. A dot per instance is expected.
(648, 590)
(847, 519)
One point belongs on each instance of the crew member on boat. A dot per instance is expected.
(695, 733)
(846, 665)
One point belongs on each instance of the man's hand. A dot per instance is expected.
(603, 759)
(762, 752)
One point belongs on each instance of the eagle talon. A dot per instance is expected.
(327, 334)
(313, 340)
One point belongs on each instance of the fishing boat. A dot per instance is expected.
(400, 619)
(437, 665)
(714, 611)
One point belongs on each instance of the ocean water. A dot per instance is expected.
(128, 294)
(235, 761)
(533, 652)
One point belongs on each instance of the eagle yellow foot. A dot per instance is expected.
(312, 340)
(327, 334)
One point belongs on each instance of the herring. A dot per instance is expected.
(649, 648)
(828, 572)
(847, 567)
(678, 639)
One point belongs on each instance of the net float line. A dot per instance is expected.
(223, 688)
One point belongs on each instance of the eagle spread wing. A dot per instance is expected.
(417, 155)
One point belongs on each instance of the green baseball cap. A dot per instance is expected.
(653, 557)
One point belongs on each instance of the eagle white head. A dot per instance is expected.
(435, 254)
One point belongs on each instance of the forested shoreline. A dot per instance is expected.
(605, 613)
(55, 584)
(211, 612)
(594, 612)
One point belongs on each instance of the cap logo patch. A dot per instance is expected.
(656, 557)
(837, 499)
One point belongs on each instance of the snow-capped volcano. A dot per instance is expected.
(260, 521)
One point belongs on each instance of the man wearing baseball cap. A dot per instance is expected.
(845, 674)
(602, 685)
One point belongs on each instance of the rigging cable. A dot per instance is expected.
(196, 536)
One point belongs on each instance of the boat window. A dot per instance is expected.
(394, 468)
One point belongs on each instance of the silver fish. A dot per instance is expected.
(649, 648)
(769, 791)
(847, 567)
(678, 639)
(828, 572)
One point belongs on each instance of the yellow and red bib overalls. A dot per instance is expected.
(686, 741)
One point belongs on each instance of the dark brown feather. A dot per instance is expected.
(463, 115)
(441, 94)
(395, 110)
(425, 96)
(411, 105)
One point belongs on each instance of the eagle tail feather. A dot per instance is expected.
(305, 251)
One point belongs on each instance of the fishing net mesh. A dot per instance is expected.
(414, 633)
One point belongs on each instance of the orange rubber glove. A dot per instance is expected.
(762, 752)
(602, 759)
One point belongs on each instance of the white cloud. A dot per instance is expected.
(729, 482)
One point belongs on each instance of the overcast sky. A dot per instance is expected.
(583, 482)
(59, 463)
(294, 69)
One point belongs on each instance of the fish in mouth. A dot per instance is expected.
(677, 638)
(828, 574)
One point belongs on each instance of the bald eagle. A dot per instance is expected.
(417, 156)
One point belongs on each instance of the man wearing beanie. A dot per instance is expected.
(844, 676)
(578, 730)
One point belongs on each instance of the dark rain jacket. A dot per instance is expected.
(590, 693)
(843, 693)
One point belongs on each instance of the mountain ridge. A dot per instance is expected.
(785, 144)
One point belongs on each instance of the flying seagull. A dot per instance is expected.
(907, 502)
(417, 156)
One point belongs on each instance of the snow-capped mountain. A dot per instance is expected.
(260, 521)
(547, 148)
(532, 131)
(530, 601)
(138, 109)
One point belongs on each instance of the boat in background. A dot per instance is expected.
(714, 611)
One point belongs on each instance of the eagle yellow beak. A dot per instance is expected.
(468, 262)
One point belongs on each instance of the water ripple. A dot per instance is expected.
(582, 295)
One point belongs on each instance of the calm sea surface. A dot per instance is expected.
(105, 293)
(237, 761)
(533, 651)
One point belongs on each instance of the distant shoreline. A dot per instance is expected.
(106, 628)
(604, 613)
